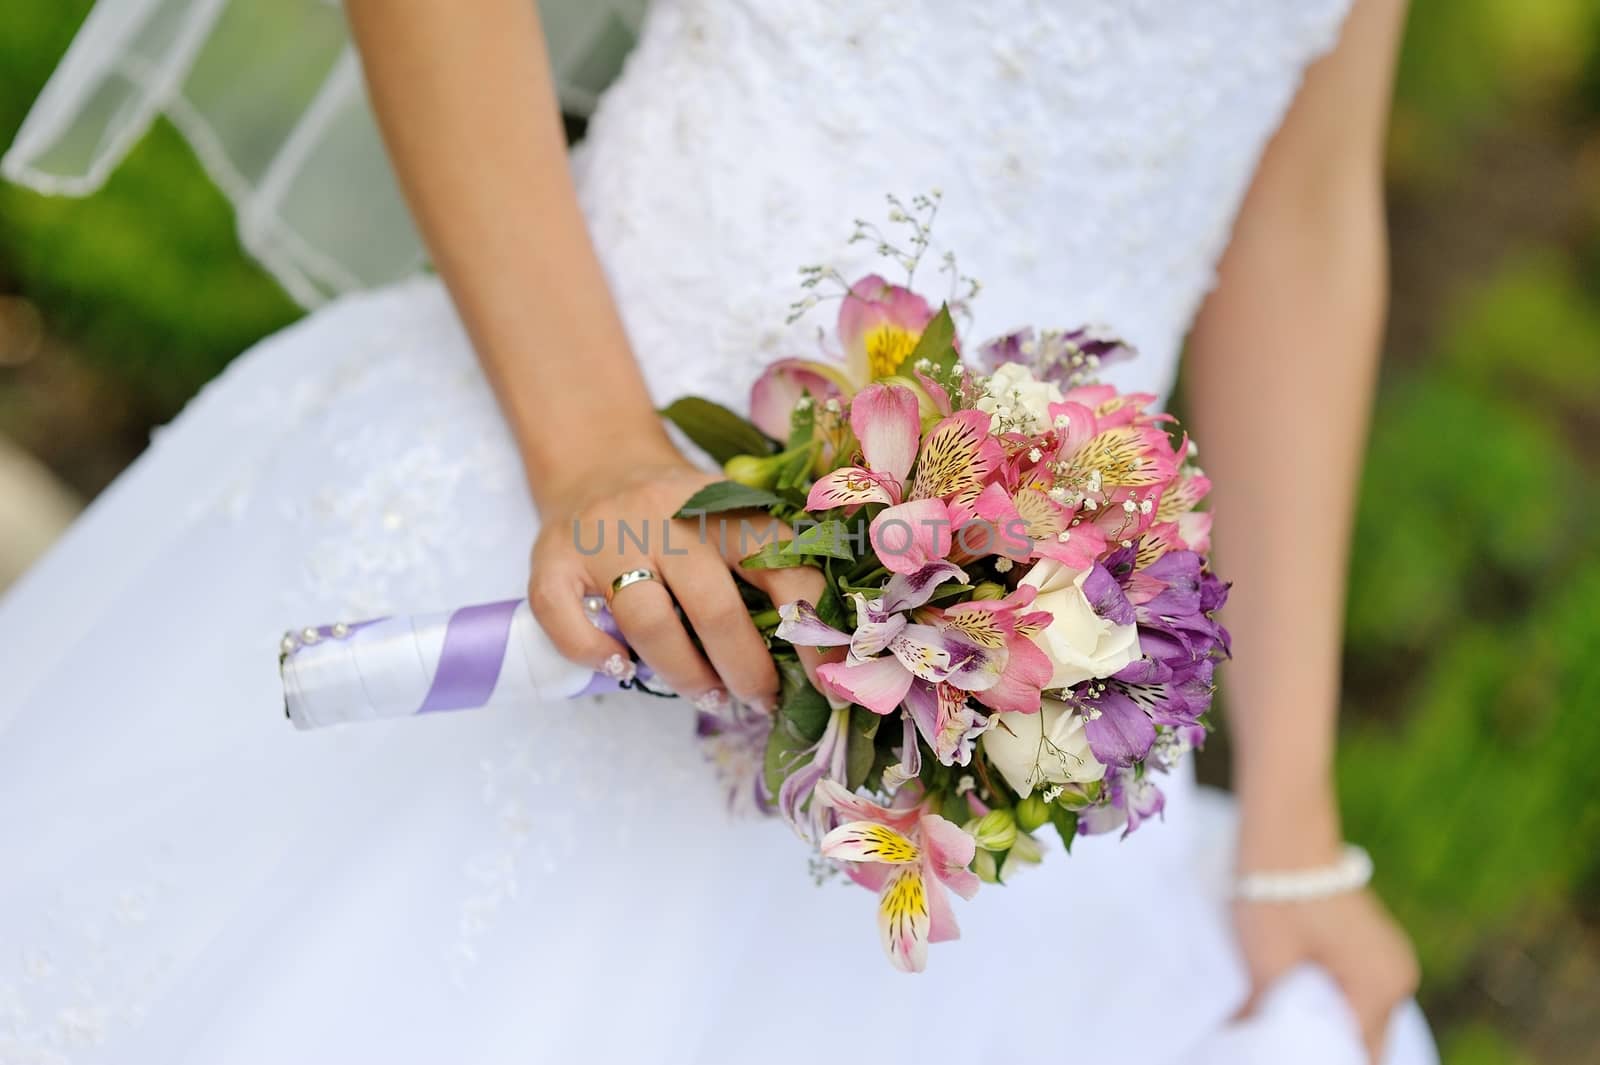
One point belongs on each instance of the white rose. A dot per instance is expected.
(1079, 643)
(1049, 747)
(1014, 387)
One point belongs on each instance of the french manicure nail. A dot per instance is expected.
(712, 701)
(619, 668)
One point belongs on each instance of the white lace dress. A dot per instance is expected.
(188, 879)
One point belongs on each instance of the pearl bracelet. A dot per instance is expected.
(1351, 872)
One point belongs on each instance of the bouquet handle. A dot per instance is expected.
(490, 654)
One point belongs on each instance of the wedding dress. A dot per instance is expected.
(188, 879)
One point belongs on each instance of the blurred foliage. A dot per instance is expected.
(1473, 665)
(1470, 64)
(1472, 669)
(145, 279)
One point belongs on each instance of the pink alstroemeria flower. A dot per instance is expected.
(782, 384)
(885, 420)
(1112, 409)
(947, 720)
(1088, 483)
(1191, 527)
(1026, 514)
(1030, 525)
(1006, 623)
(879, 326)
(919, 526)
(1013, 673)
(956, 458)
(887, 650)
(908, 856)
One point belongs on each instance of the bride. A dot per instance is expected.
(189, 880)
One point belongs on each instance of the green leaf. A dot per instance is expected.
(832, 538)
(860, 747)
(715, 429)
(787, 750)
(937, 343)
(831, 609)
(726, 495)
(802, 422)
(793, 472)
(884, 758)
(801, 704)
(1066, 825)
(773, 556)
(802, 718)
(953, 807)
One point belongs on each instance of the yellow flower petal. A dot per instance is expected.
(869, 841)
(888, 347)
(903, 919)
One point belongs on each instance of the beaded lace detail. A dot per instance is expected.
(1092, 155)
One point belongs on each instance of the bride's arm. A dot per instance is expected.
(1290, 338)
(465, 100)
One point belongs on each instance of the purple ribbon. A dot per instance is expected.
(475, 642)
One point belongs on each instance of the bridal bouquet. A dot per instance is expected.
(1016, 616)
(1017, 600)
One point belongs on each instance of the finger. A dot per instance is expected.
(1375, 1029)
(1377, 980)
(706, 591)
(1374, 1043)
(555, 594)
(1268, 956)
(782, 586)
(1371, 1001)
(644, 612)
(787, 586)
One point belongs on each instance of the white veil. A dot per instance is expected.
(269, 93)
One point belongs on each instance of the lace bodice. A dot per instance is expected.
(1092, 155)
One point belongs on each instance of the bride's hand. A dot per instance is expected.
(1352, 936)
(594, 505)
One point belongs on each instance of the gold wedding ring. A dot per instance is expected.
(632, 576)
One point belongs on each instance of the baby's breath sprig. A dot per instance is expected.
(918, 218)
(1066, 763)
(821, 869)
(813, 278)
(950, 378)
(907, 250)
(963, 288)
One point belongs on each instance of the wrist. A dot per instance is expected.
(560, 475)
(1288, 825)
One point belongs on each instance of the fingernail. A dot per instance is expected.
(619, 668)
(764, 703)
(711, 702)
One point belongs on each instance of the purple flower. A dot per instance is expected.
(1171, 683)
(734, 739)
(1131, 799)
(1068, 358)
(809, 818)
(1105, 595)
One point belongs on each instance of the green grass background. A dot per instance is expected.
(1471, 749)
